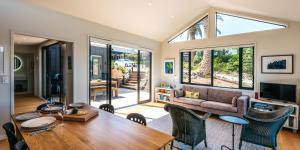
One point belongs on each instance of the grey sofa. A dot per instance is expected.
(215, 101)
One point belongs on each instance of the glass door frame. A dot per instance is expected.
(109, 73)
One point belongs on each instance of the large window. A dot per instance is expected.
(229, 25)
(197, 31)
(220, 67)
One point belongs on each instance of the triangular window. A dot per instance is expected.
(197, 31)
(230, 25)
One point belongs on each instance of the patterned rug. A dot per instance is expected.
(218, 133)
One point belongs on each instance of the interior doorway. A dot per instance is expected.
(119, 75)
(43, 68)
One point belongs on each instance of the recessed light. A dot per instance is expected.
(149, 3)
(172, 17)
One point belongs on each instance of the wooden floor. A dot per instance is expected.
(287, 140)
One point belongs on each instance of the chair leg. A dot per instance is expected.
(205, 143)
(240, 145)
(171, 145)
(192, 147)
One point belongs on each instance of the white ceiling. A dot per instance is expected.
(28, 40)
(159, 19)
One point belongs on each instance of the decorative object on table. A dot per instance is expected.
(169, 66)
(264, 126)
(52, 108)
(277, 64)
(76, 111)
(162, 94)
(76, 105)
(185, 121)
(38, 123)
(28, 116)
(163, 84)
(234, 120)
(138, 118)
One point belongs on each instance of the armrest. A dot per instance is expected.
(242, 104)
(172, 95)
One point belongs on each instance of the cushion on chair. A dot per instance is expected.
(189, 101)
(222, 95)
(219, 106)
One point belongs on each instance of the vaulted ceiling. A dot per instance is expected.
(159, 19)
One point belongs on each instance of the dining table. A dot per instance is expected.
(105, 131)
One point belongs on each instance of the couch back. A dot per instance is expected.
(218, 95)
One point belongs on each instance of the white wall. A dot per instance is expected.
(286, 41)
(20, 17)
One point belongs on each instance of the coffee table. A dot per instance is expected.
(234, 120)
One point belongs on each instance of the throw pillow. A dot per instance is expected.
(179, 93)
(234, 101)
(194, 95)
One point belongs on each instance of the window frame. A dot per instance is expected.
(185, 29)
(247, 18)
(240, 52)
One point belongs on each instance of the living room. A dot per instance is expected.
(198, 69)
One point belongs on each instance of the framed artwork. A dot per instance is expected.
(277, 64)
(169, 66)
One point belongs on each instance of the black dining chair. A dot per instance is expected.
(20, 146)
(138, 118)
(10, 133)
(107, 107)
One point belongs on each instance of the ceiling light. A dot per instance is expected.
(149, 3)
(172, 17)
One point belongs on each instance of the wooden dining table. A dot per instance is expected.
(105, 131)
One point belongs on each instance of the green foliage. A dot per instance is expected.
(226, 61)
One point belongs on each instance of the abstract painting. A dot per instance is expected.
(277, 64)
(169, 66)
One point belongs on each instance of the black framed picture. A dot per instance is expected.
(277, 64)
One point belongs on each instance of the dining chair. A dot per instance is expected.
(10, 133)
(188, 127)
(263, 127)
(107, 107)
(20, 146)
(138, 118)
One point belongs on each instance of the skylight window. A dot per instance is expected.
(230, 25)
(197, 31)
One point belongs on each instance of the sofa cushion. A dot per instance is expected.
(190, 101)
(179, 93)
(219, 106)
(222, 95)
(202, 91)
(189, 94)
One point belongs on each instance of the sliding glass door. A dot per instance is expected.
(119, 75)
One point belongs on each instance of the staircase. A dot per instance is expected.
(132, 81)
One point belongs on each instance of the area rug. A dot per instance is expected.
(218, 133)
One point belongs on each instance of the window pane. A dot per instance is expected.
(195, 32)
(247, 67)
(226, 67)
(185, 66)
(229, 25)
(201, 67)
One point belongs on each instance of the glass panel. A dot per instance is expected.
(201, 67)
(229, 25)
(226, 67)
(185, 66)
(98, 73)
(195, 32)
(247, 67)
(145, 74)
(124, 74)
